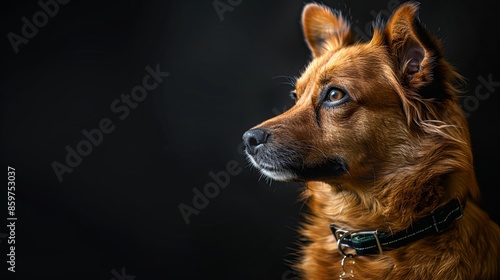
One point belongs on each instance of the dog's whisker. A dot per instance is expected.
(290, 80)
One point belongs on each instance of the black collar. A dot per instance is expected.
(369, 242)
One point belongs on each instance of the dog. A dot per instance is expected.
(378, 137)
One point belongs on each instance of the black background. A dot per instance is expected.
(117, 212)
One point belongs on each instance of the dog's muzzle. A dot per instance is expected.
(284, 160)
(268, 157)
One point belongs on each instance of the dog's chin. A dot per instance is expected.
(273, 171)
(280, 175)
(329, 169)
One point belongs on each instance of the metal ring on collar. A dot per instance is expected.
(340, 245)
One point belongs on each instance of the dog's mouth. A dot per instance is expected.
(286, 165)
(287, 162)
(273, 170)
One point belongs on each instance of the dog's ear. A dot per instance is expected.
(414, 49)
(325, 30)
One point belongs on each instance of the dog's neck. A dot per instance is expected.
(373, 241)
(385, 206)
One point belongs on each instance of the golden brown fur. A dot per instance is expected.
(405, 143)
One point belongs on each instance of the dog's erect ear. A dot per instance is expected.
(415, 50)
(325, 30)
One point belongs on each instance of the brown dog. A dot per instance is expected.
(384, 149)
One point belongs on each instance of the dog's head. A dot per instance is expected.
(364, 109)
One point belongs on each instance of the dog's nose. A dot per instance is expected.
(254, 138)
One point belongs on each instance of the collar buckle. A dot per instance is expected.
(374, 233)
(338, 232)
(347, 236)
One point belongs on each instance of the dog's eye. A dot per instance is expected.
(335, 96)
(293, 95)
